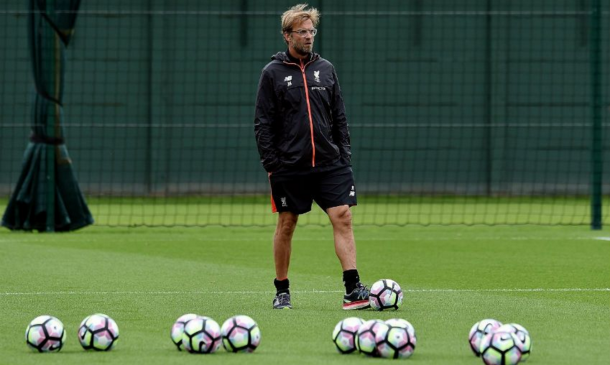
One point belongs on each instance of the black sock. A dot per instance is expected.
(281, 286)
(350, 279)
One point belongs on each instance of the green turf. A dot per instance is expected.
(552, 280)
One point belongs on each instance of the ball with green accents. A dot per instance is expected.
(45, 334)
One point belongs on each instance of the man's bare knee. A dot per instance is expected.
(287, 224)
(341, 216)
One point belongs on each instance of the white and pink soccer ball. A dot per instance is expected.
(45, 334)
(366, 341)
(240, 334)
(385, 294)
(344, 334)
(98, 332)
(201, 335)
(178, 329)
(500, 344)
(524, 342)
(397, 340)
(480, 330)
(500, 348)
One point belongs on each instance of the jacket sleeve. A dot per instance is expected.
(264, 119)
(340, 127)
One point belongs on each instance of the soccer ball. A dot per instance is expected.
(201, 336)
(478, 331)
(344, 334)
(397, 340)
(500, 348)
(45, 334)
(385, 294)
(240, 334)
(366, 337)
(98, 332)
(178, 329)
(525, 342)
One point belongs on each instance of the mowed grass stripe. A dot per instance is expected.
(312, 291)
(452, 277)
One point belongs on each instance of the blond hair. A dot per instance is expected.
(297, 14)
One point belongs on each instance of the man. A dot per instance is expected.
(304, 144)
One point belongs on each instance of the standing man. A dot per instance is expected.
(304, 144)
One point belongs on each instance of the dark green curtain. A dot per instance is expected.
(47, 196)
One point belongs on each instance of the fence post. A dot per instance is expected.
(596, 130)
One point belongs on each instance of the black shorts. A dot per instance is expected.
(296, 192)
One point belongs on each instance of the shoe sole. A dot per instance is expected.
(282, 307)
(361, 304)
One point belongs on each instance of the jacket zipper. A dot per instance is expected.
(313, 144)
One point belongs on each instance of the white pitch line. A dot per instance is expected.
(532, 290)
(399, 239)
(313, 291)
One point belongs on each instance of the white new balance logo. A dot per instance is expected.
(283, 199)
(353, 192)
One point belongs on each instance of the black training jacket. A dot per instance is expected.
(300, 119)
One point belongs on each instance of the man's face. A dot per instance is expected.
(301, 44)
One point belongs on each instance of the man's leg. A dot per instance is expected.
(345, 245)
(282, 243)
(282, 248)
(356, 294)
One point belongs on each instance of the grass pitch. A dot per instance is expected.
(555, 281)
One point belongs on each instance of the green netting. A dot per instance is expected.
(461, 111)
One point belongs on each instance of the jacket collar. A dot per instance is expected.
(286, 57)
(297, 60)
